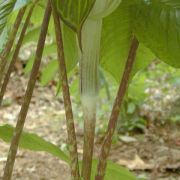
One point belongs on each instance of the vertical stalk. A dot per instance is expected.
(105, 149)
(67, 100)
(90, 44)
(28, 95)
(15, 55)
(7, 50)
(91, 35)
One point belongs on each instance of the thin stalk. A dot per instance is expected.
(67, 100)
(89, 134)
(28, 95)
(7, 50)
(15, 55)
(106, 146)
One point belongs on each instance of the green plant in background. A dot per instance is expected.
(130, 119)
(120, 36)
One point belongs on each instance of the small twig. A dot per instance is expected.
(67, 100)
(106, 146)
(15, 55)
(9, 45)
(28, 95)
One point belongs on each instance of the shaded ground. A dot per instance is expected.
(155, 154)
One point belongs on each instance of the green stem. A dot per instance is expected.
(7, 50)
(91, 35)
(15, 55)
(27, 98)
(67, 100)
(106, 146)
(90, 41)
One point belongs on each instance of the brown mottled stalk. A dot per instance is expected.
(105, 149)
(27, 98)
(15, 55)
(6, 51)
(89, 134)
(67, 100)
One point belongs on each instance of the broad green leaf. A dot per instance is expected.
(109, 7)
(6, 7)
(32, 142)
(74, 12)
(116, 39)
(32, 35)
(37, 15)
(114, 171)
(50, 49)
(157, 25)
(117, 172)
(49, 72)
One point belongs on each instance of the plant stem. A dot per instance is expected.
(15, 55)
(7, 50)
(89, 75)
(89, 133)
(106, 146)
(28, 95)
(91, 36)
(67, 100)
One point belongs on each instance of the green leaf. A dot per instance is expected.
(136, 90)
(116, 39)
(74, 12)
(32, 142)
(6, 7)
(110, 6)
(49, 72)
(29, 64)
(32, 35)
(3, 38)
(114, 171)
(71, 50)
(38, 13)
(157, 25)
(117, 172)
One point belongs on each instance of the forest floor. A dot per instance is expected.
(154, 154)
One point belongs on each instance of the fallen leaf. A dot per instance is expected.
(136, 164)
(127, 139)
